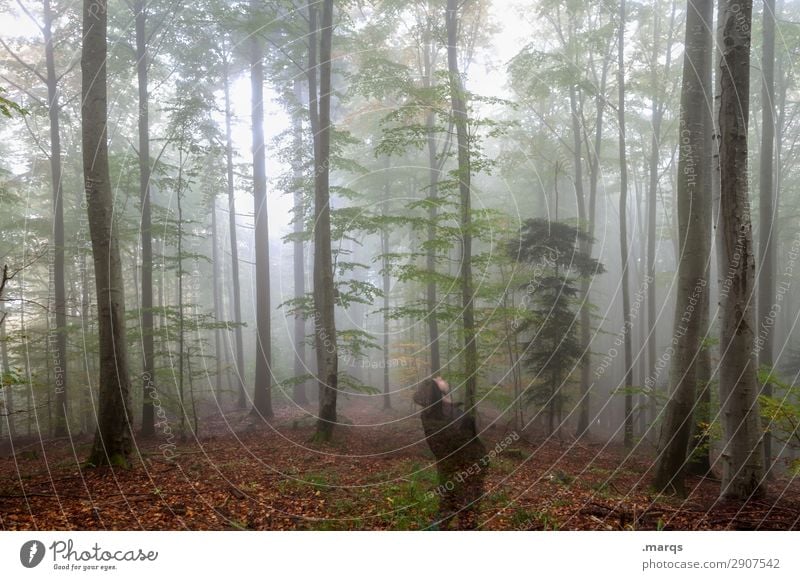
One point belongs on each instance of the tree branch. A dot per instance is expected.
(22, 62)
(29, 15)
(24, 90)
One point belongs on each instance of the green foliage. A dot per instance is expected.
(553, 349)
(12, 377)
(523, 519)
(349, 383)
(9, 108)
(409, 503)
(781, 411)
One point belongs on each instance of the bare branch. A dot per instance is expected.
(24, 90)
(35, 138)
(22, 62)
(32, 18)
(72, 65)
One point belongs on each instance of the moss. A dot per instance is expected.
(114, 460)
(119, 460)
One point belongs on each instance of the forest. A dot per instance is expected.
(399, 265)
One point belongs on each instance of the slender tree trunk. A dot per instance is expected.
(594, 165)
(387, 289)
(715, 167)
(324, 301)
(179, 290)
(623, 230)
(657, 114)
(587, 222)
(59, 358)
(700, 455)
(299, 337)
(195, 418)
(642, 401)
(433, 210)
(236, 298)
(217, 278)
(585, 314)
(28, 383)
(262, 398)
(113, 438)
(652, 208)
(459, 107)
(586, 245)
(743, 452)
(767, 209)
(148, 369)
(694, 237)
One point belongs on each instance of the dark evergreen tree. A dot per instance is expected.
(553, 349)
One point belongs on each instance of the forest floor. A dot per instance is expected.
(377, 474)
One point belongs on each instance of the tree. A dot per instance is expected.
(658, 107)
(428, 62)
(325, 338)
(585, 37)
(694, 229)
(112, 440)
(623, 228)
(216, 272)
(766, 206)
(60, 354)
(387, 288)
(743, 453)
(58, 336)
(148, 354)
(183, 141)
(298, 253)
(236, 298)
(463, 172)
(553, 249)
(262, 399)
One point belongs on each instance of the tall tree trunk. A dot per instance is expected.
(585, 313)
(715, 167)
(766, 208)
(195, 418)
(586, 217)
(112, 441)
(623, 229)
(59, 358)
(148, 355)
(694, 237)
(236, 298)
(387, 290)
(586, 245)
(743, 451)
(459, 107)
(179, 291)
(652, 208)
(433, 209)
(657, 114)
(262, 397)
(216, 274)
(324, 302)
(299, 336)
